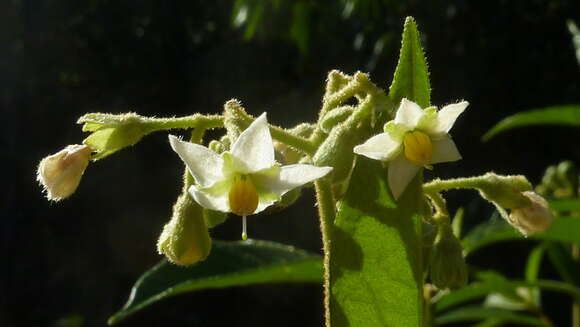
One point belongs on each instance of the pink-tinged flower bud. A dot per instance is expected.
(534, 218)
(60, 173)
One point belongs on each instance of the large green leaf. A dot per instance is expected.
(411, 78)
(375, 262)
(558, 115)
(229, 264)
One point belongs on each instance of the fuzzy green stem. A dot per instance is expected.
(327, 213)
(193, 121)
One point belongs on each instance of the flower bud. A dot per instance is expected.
(533, 218)
(335, 117)
(506, 191)
(60, 173)
(185, 239)
(448, 269)
(213, 218)
(111, 133)
(336, 152)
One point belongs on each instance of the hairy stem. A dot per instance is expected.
(327, 213)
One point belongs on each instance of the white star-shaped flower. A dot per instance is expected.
(416, 138)
(245, 180)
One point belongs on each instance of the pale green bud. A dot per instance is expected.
(185, 238)
(534, 218)
(111, 133)
(336, 152)
(506, 191)
(214, 218)
(61, 173)
(448, 268)
(335, 117)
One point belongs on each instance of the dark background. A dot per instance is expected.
(61, 59)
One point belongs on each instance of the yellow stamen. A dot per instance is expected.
(418, 148)
(243, 197)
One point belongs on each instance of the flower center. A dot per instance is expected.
(418, 148)
(243, 196)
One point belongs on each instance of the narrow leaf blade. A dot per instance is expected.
(229, 264)
(568, 115)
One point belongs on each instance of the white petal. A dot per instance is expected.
(214, 197)
(204, 165)
(448, 115)
(254, 149)
(289, 177)
(444, 150)
(408, 113)
(379, 147)
(401, 172)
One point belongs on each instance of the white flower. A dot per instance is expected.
(416, 138)
(245, 180)
(60, 173)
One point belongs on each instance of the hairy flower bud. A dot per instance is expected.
(506, 191)
(61, 173)
(185, 239)
(448, 269)
(534, 218)
(111, 133)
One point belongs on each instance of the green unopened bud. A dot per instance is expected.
(448, 269)
(185, 238)
(506, 191)
(303, 130)
(429, 232)
(336, 152)
(111, 133)
(335, 117)
(533, 218)
(335, 81)
(234, 118)
(285, 154)
(214, 218)
(216, 146)
(61, 173)
(568, 176)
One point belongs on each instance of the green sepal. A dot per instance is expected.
(185, 238)
(111, 133)
(448, 268)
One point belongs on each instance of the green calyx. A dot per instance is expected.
(185, 238)
(448, 268)
(111, 133)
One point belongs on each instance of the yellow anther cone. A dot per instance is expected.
(243, 197)
(418, 148)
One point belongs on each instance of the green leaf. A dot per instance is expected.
(564, 264)
(565, 205)
(493, 231)
(558, 115)
(229, 264)
(300, 28)
(411, 78)
(564, 229)
(479, 313)
(492, 282)
(375, 261)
